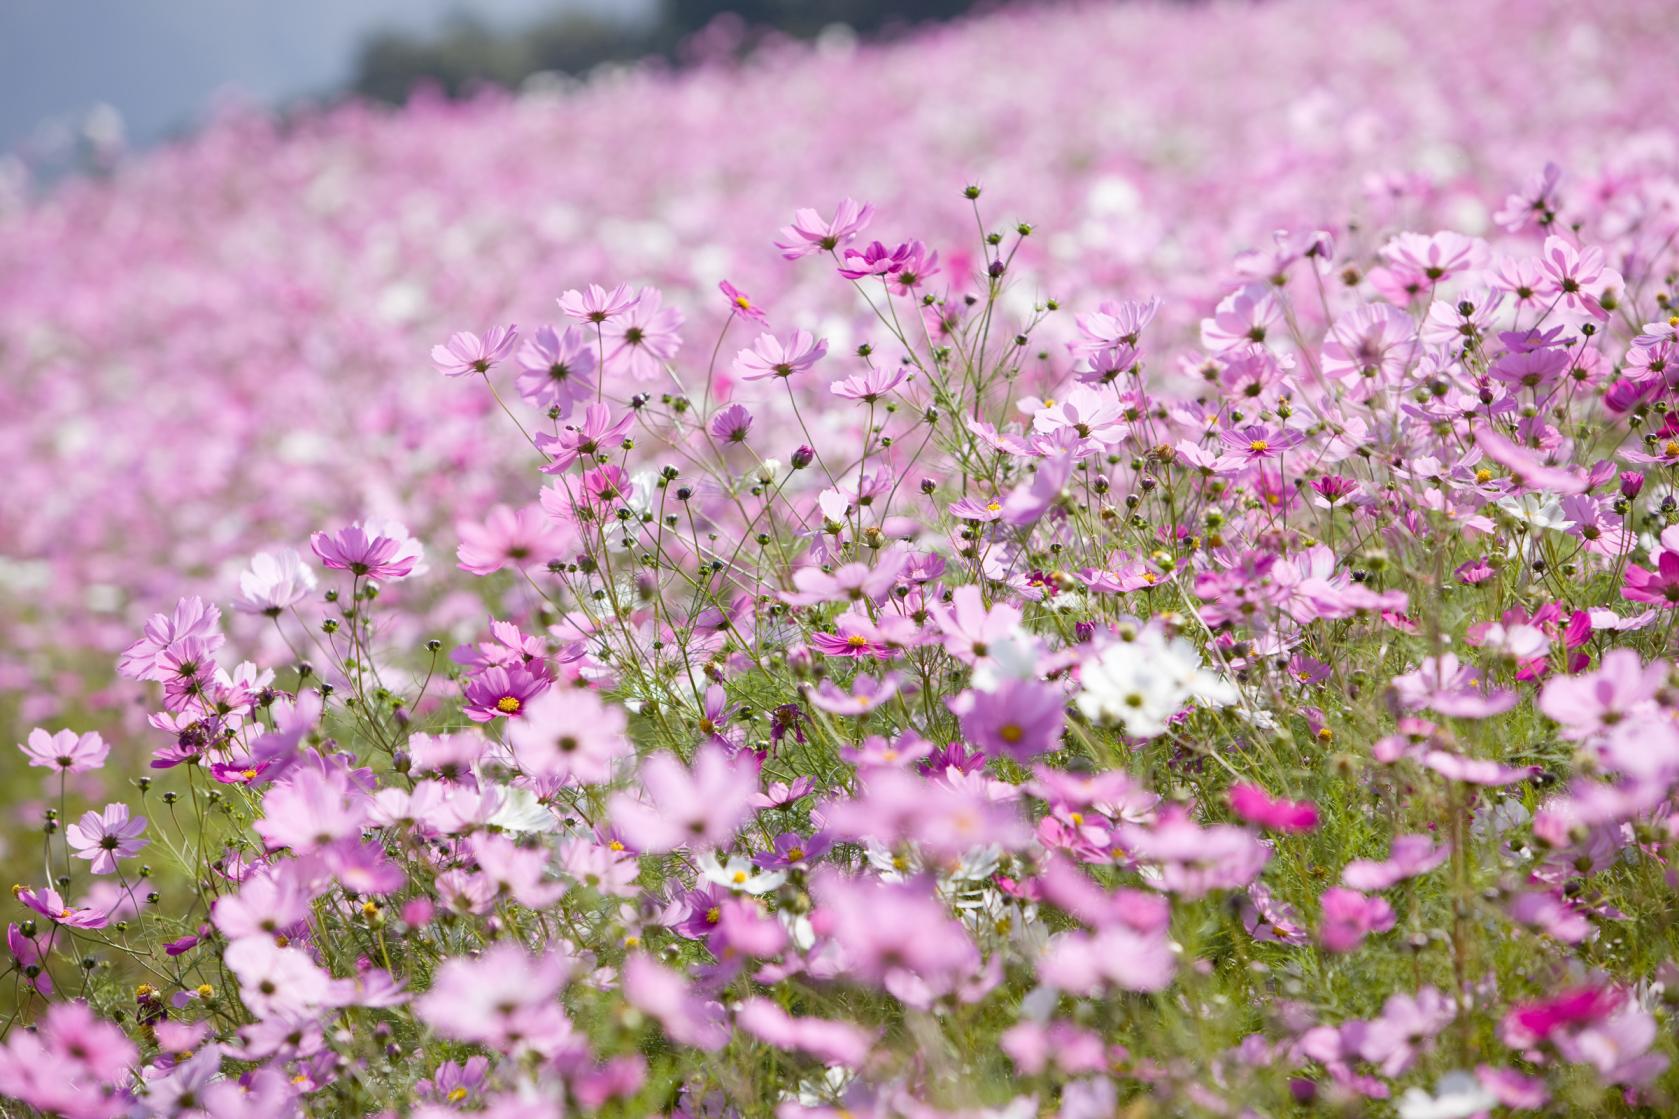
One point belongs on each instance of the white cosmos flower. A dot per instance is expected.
(1458, 1096)
(740, 875)
(1139, 685)
(274, 581)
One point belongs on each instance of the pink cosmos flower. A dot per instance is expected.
(1659, 587)
(897, 936)
(1594, 702)
(903, 266)
(853, 582)
(687, 1018)
(500, 693)
(1410, 856)
(193, 618)
(731, 424)
(65, 750)
(598, 432)
(505, 998)
(970, 628)
(1256, 806)
(47, 902)
(382, 551)
(809, 234)
(1349, 916)
(1577, 278)
(1369, 346)
(779, 355)
(1020, 719)
(740, 304)
(104, 837)
(1525, 467)
(556, 369)
(597, 305)
(72, 1064)
(465, 353)
(314, 809)
(569, 735)
(867, 694)
(1088, 413)
(700, 806)
(830, 1042)
(1436, 257)
(644, 338)
(1244, 317)
(1113, 958)
(871, 385)
(855, 637)
(509, 538)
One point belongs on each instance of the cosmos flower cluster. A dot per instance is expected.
(1210, 653)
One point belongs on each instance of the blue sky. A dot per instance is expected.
(161, 63)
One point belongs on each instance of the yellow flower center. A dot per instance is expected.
(1259, 446)
(508, 704)
(1483, 476)
(794, 854)
(615, 845)
(457, 1095)
(1010, 733)
(713, 915)
(993, 506)
(205, 991)
(248, 774)
(856, 641)
(632, 941)
(1077, 818)
(743, 303)
(739, 877)
(1671, 447)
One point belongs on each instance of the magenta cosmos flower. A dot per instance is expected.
(382, 551)
(66, 750)
(780, 355)
(104, 837)
(465, 353)
(741, 304)
(499, 692)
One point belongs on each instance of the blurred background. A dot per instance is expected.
(82, 79)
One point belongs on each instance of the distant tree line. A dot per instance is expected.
(469, 53)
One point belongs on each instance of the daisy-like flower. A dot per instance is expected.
(870, 386)
(740, 875)
(731, 424)
(466, 353)
(104, 837)
(597, 305)
(779, 355)
(644, 337)
(556, 369)
(809, 234)
(273, 583)
(509, 538)
(47, 902)
(741, 304)
(377, 550)
(65, 751)
(498, 693)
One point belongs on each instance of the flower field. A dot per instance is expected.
(1096, 560)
